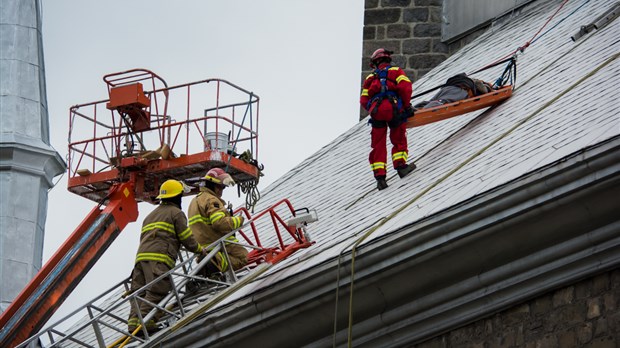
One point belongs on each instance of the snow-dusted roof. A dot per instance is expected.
(564, 102)
(560, 106)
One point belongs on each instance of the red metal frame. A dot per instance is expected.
(107, 147)
(283, 245)
(101, 170)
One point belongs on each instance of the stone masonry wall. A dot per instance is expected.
(584, 314)
(410, 28)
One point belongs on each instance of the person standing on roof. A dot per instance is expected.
(386, 95)
(210, 219)
(163, 232)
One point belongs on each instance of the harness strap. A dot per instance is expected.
(382, 75)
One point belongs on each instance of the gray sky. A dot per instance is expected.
(302, 58)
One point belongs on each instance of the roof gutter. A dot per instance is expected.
(542, 231)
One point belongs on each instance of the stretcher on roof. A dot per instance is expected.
(423, 117)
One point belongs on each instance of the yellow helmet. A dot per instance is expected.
(170, 188)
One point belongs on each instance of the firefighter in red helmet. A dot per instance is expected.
(386, 95)
(210, 219)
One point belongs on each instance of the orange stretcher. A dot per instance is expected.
(423, 117)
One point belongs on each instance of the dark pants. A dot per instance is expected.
(143, 273)
(237, 255)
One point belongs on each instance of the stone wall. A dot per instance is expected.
(584, 314)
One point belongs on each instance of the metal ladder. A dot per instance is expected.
(102, 322)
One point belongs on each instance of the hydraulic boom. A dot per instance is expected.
(60, 275)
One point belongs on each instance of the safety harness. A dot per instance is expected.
(382, 75)
(386, 93)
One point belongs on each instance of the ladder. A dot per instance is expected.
(102, 322)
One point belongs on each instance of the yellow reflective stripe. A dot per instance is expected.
(185, 234)
(233, 239)
(377, 165)
(393, 68)
(236, 222)
(215, 217)
(369, 76)
(402, 78)
(196, 219)
(155, 257)
(399, 155)
(158, 225)
(223, 262)
(364, 92)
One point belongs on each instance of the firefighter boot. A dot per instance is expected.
(381, 183)
(406, 169)
(193, 286)
(214, 273)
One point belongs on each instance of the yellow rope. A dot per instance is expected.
(125, 339)
(118, 341)
(444, 177)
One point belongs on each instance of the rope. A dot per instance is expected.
(249, 107)
(217, 298)
(338, 291)
(561, 20)
(521, 49)
(510, 73)
(447, 175)
(567, 52)
(515, 88)
(249, 188)
(511, 57)
(511, 60)
(252, 194)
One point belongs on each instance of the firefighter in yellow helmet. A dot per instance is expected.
(210, 219)
(163, 232)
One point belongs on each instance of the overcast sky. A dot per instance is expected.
(302, 58)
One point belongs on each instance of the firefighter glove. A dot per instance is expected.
(237, 221)
(408, 112)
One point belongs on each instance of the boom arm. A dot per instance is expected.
(65, 269)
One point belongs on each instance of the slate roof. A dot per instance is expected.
(559, 109)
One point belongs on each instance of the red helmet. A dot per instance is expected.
(220, 177)
(378, 54)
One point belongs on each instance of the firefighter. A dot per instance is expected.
(386, 95)
(210, 219)
(163, 232)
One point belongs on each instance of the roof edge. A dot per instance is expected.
(464, 263)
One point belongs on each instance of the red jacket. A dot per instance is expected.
(397, 81)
